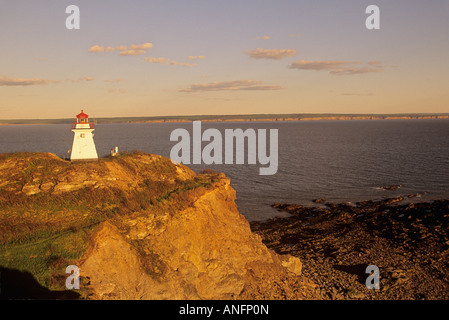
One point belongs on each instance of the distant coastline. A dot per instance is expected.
(237, 118)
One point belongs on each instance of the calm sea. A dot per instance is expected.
(339, 161)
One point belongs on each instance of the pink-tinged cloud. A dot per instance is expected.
(143, 46)
(276, 54)
(196, 57)
(262, 38)
(318, 65)
(124, 50)
(338, 67)
(183, 64)
(159, 60)
(8, 81)
(355, 70)
(131, 52)
(115, 80)
(235, 85)
(166, 61)
(81, 79)
(120, 90)
(96, 48)
(121, 48)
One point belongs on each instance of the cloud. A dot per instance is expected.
(294, 35)
(115, 80)
(262, 38)
(159, 60)
(143, 46)
(355, 70)
(184, 64)
(121, 48)
(117, 90)
(124, 50)
(338, 67)
(277, 54)
(131, 52)
(317, 65)
(8, 81)
(235, 85)
(81, 79)
(166, 61)
(196, 57)
(96, 48)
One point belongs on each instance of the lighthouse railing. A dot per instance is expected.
(91, 125)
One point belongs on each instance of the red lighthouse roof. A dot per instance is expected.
(82, 115)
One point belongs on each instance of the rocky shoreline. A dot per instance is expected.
(409, 243)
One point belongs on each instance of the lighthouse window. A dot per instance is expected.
(82, 135)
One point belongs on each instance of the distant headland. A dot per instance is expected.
(239, 118)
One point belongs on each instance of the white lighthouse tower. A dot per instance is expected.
(83, 147)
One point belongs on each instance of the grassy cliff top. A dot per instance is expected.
(50, 207)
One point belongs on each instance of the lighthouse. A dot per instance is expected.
(83, 147)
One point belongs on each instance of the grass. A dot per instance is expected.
(42, 257)
(45, 232)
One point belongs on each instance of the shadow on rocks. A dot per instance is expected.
(20, 285)
(356, 269)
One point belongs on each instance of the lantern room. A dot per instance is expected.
(82, 117)
(82, 121)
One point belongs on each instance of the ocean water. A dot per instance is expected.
(339, 161)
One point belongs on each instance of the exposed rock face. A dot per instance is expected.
(162, 231)
(206, 251)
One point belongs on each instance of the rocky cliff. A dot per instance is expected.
(138, 227)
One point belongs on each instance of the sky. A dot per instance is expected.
(195, 57)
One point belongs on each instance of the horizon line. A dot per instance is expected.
(218, 117)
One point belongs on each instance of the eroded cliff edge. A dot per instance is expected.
(138, 227)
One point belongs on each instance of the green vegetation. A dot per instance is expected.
(47, 254)
(42, 233)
